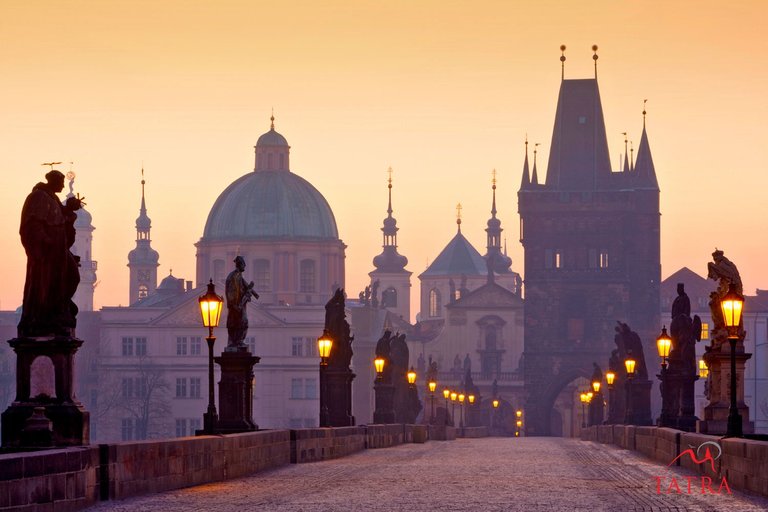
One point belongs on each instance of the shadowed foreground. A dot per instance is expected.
(490, 474)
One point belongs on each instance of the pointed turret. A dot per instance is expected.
(143, 260)
(495, 260)
(535, 175)
(389, 260)
(526, 181)
(644, 168)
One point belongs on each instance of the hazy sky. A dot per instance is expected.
(442, 91)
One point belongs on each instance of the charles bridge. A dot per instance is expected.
(390, 467)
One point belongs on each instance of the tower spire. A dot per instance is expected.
(389, 186)
(535, 175)
(526, 181)
(493, 186)
(631, 156)
(626, 153)
(594, 57)
(458, 217)
(495, 261)
(389, 260)
(272, 120)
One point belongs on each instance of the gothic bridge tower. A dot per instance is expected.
(592, 257)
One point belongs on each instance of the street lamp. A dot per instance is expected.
(732, 304)
(583, 398)
(324, 345)
(629, 364)
(596, 386)
(461, 412)
(610, 376)
(454, 395)
(663, 345)
(210, 310)
(519, 413)
(432, 385)
(446, 395)
(495, 404)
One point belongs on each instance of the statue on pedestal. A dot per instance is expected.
(239, 294)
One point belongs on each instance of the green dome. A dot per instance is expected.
(270, 205)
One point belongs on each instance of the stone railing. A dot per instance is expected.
(743, 462)
(74, 478)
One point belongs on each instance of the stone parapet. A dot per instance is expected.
(315, 444)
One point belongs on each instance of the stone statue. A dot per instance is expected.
(238, 294)
(613, 362)
(726, 273)
(685, 332)
(338, 327)
(383, 351)
(47, 233)
(467, 363)
(597, 373)
(629, 343)
(421, 364)
(375, 294)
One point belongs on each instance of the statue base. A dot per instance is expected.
(384, 412)
(236, 392)
(718, 361)
(641, 403)
(339, 397)
(45, 411)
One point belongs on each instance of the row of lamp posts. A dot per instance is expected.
(732, 305)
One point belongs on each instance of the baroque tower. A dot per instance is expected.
(394, 280)
(143, 260)
(592, 252)
(82, 247)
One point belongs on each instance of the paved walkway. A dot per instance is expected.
(492, 474)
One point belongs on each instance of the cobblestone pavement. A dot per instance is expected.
(492, 474)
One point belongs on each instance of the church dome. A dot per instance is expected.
(270, 204)
(272, 138)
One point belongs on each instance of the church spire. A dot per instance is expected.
(496, 262)
(142, 260)
(526, 181)
(143, 222)
(626, 167)
(644, 169)
(389, 260)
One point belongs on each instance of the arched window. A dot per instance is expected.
(490, 337)
(262, 279)
(435, 305)
(307, 276)
(143, 291)
(389, 298)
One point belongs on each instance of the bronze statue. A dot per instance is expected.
(685, 332)
(47, 233)
(726, 273)
(238, 294)
(338, 327)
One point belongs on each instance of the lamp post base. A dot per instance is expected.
(210, 420)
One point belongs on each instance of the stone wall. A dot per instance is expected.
(67, 478)
(315, 444)
(743, 463)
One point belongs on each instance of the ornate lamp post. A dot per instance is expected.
(454, 395)
(411, 376)
(732, 304)
(446, 395)
(610, 377)
(432, 385)
(519, 424)
(461, 412)
(471, 412)
(596, 408)
(384, 412)
(210, 309)
(324, 345)
(495, 404)
(629, 364)
(583, 398)
(663, 346)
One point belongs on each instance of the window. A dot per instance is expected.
(143, 291)
(297, 390)
(126, 429)
(181, 345)
(307, 276)
(704, 331)
(311, 347)
(553, 258)
(603, 259)
(127, 346)
(582, 119)
(575, 329)
(296, 346)
(181, 388)
(140, 387)
(261, 276)
(389, 298)
(194, 426)
(558, 259)
(181, 427)
(310, 388)
(434, 302)
(127, 385)
(141, 346)
(194, 387)
(195, 342)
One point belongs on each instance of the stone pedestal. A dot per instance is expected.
(236, 392)
(640, 407)
(384, 412)
(719, 385)
(45, 386)
(616, 399)
(339, 397)
(596, 409)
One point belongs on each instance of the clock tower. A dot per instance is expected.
(143, 260)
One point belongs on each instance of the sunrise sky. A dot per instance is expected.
(442, 91)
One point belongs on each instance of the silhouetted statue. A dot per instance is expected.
(375, 294)
(725, 273)
(421, 364)
(47, 232)
(629, 342)
(685, 332)
(597, 373)
(383, 349)
(238, 294)
(338, 327)
(467, 363)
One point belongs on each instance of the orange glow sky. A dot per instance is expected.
(442, 91)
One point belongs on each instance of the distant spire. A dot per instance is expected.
(389, 186)
(526, 181)
(458, 216)
(626, 154)
(272, 120)
(644, 112)
(535, 175)
(562, 62)
(594, 57)
(493, 186)
(389, 260)
(143, 209)
(645, 170)
(631, 156)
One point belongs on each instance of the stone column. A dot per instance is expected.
(236, 392)
(718, 361)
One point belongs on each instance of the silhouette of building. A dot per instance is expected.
(591, 241)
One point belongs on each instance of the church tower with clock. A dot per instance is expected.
(143, 260)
